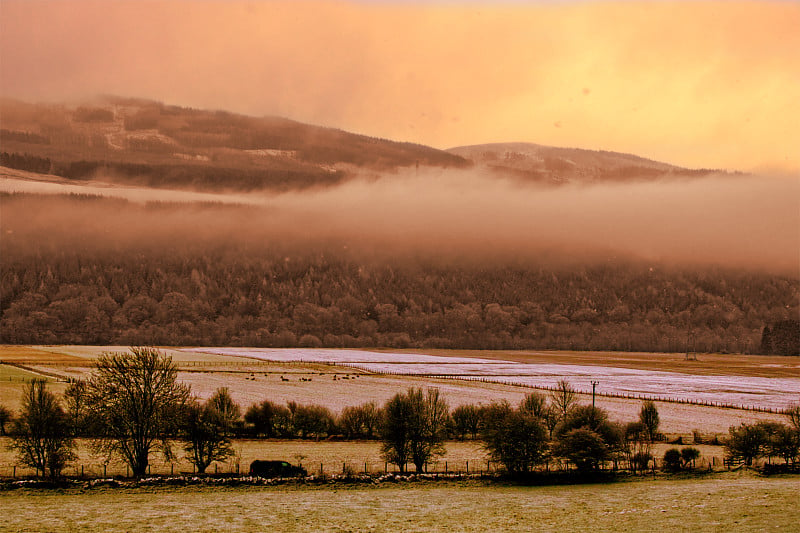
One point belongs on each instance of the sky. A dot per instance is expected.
(698, 84)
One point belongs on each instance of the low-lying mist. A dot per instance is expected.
(733, 221)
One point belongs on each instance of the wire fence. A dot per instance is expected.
(251, 367)
(477, 466)
(628, 396)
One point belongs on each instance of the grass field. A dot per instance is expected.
(13, 373)
(734, 501)
(768, 366)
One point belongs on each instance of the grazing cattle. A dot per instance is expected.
(269, 469)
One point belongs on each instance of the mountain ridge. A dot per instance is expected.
(143, 142)
(557, 165)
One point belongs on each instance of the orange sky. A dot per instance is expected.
(700, 84)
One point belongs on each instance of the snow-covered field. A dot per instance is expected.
(322, 355)
(747, 391)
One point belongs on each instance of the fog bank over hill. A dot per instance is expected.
(735, 221)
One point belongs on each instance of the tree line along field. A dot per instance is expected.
(731, 501)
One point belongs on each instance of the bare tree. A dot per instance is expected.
(648, 416)
(76, 399)
(414, 427)
(395, 433)
(207, 429)
(564, 398)
(535, 404)
(360, 421)
(137, 400)
(228, 411)
(466, 419)
(5, 417)
(793, 414)
(431, 427)
(41, 435)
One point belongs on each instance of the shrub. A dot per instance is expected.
(689, 455)
(518, 441)
(584, 448)
(641, 461)
(672, 460)
(746, 442)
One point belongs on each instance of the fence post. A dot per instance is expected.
(445, 467)
(468, 467)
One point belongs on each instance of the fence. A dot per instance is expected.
(12, 471)
(91, 470)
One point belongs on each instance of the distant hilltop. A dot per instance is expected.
(552, 165)
(148, 143)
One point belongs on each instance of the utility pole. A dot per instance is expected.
(594, 384)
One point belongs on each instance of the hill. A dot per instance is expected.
(149, 143)
(553, 166)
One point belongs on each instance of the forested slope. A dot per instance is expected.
(276, 295)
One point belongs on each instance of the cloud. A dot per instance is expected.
(709, 84)
(731, 221)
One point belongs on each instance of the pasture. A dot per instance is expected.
(730, 501)
(725, 388)
(254, 375)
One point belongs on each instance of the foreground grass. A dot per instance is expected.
(734, 501)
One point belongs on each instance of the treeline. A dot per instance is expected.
(26, 162)
(205, 297)
(264, 298)
(197, 175)
(22, 137)
(211, 177)
(783, 338)
(412, 426)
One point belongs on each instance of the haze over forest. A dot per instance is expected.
(130, 220)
